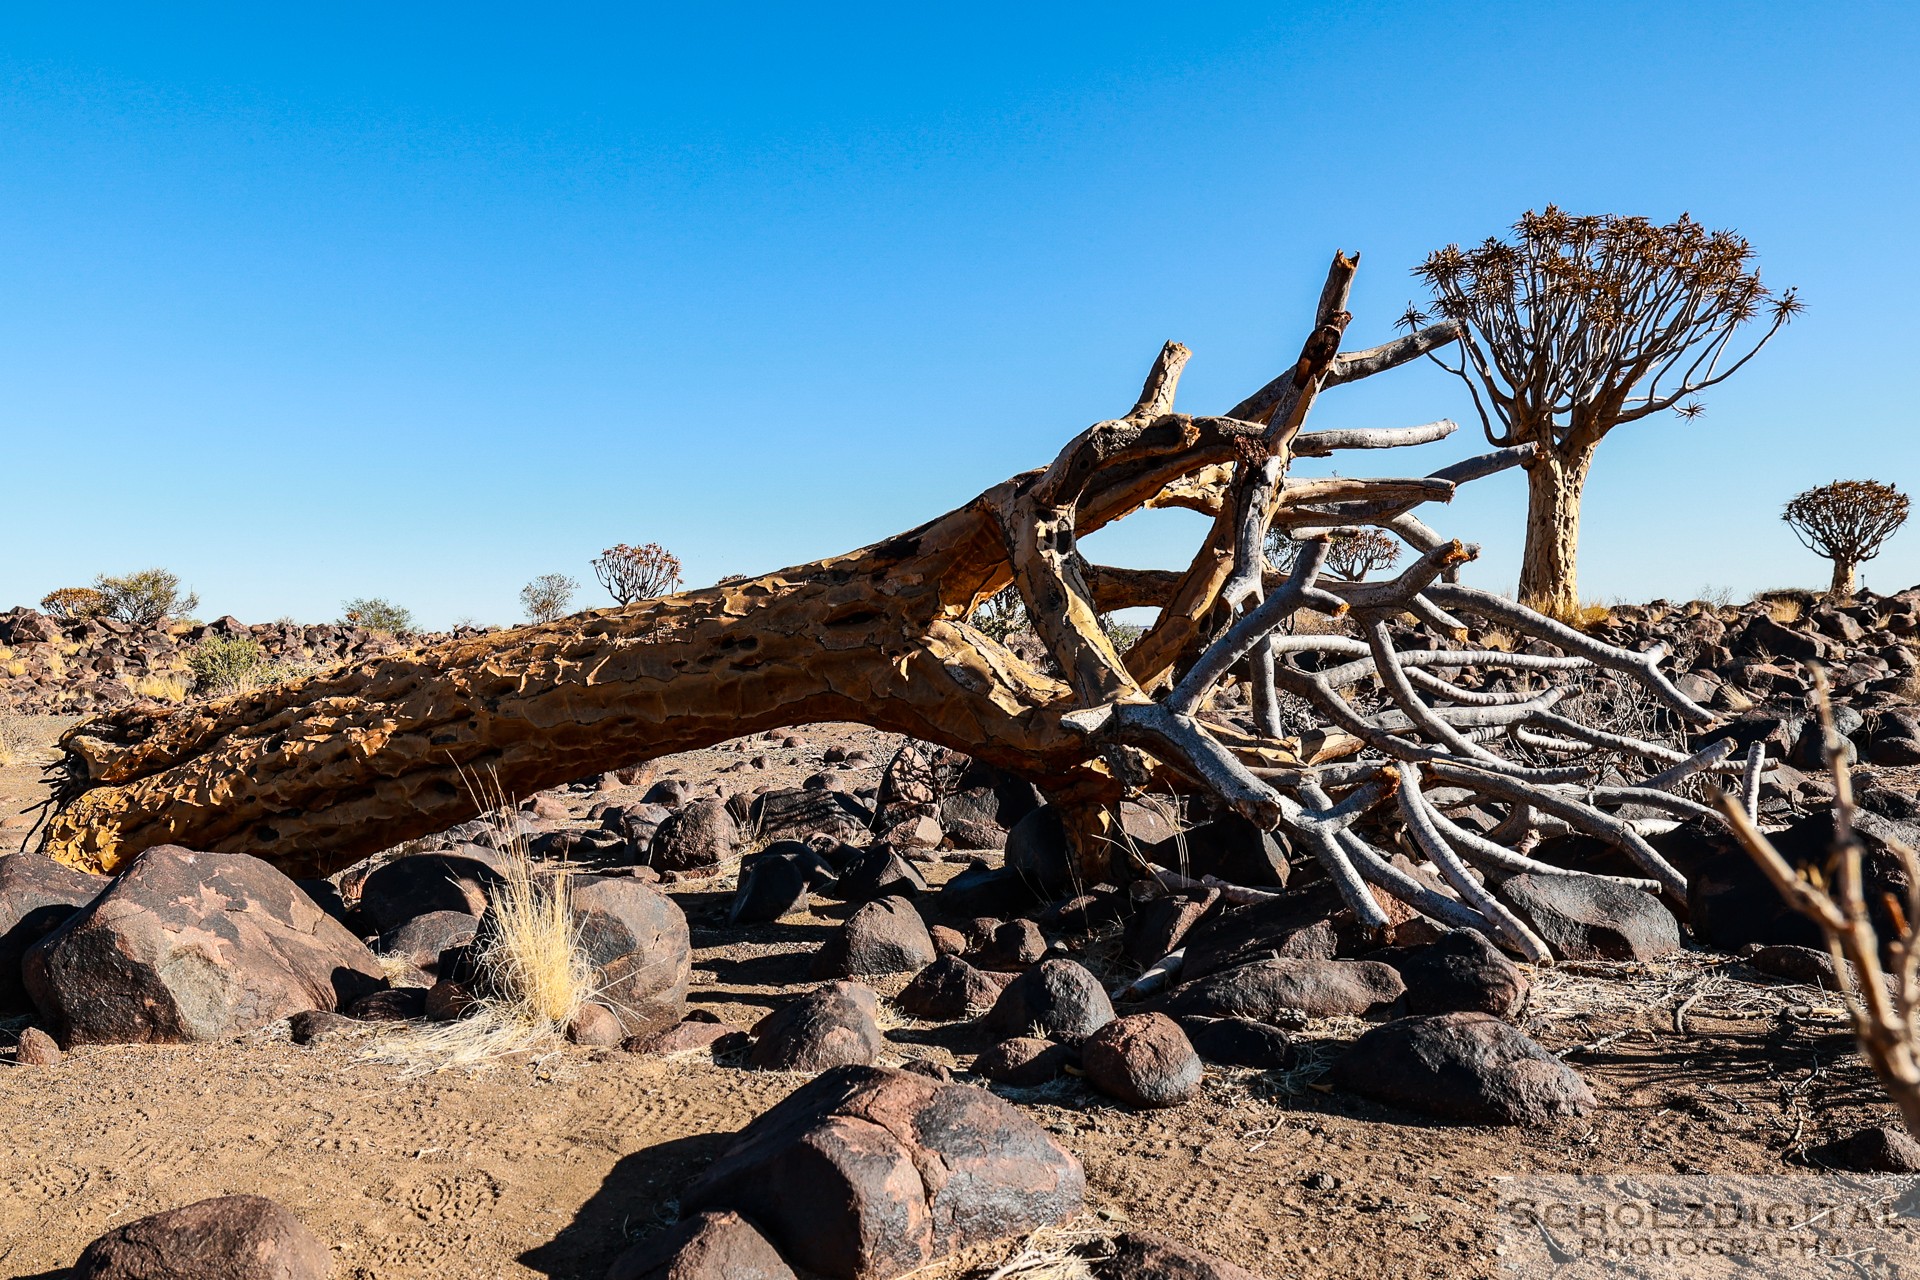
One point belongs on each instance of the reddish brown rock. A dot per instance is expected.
(230, 1238)
(1144, 1059)
(866, 1173)
(194, 946)
(706, 1246)
(834, 1026)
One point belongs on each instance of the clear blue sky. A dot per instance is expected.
(309, 302)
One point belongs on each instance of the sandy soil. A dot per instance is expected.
(549, 1166)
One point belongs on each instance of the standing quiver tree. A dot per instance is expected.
(1848, 522)
(1581, 324)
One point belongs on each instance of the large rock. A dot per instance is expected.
(1143, 1059)
(698, 837)
(882, 936)
(772, 885)
(1158, 928)
(452, 880)
(879, 872)
(37, 895)
(1239, 1042)
(1885, 1148)
(704, 1246)
(435, 943)
(835, 1026)
(1292, 926)
(866, 1174)
(1462, 973)
(1057, 998)
(1231, 848)
(1732, 904)
(229, 1238)
(636, 938)
(797, 813)
(950, 988)
(1037, 852)
(1584, 918)
(1470, 1068)
(1023, 1061)
(1317, 988)
(190, 946)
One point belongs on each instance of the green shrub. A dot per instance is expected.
(145, 598)
(224, 665)
(376, 614)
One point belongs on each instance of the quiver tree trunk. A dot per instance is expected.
(315, 774)
(1549, 564)
(1842, 586)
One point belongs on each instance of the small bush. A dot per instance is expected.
(224, 665)
(69, 603)
(144, 599)
(548, 597)
(376, 614)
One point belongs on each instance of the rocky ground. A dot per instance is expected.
(1689, 1052)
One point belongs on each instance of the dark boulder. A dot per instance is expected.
(772, 885)
(1317, 988)
(1885, 1148)
(187, 946)
(1462, 973)
(796, 813)
(1014, 946)
(407, 888)
(867, 1173)
(705, 1246)
(636, 939)
(1143, 1059)
(695, 839)
(1469, 1068)
(1037, 852)
(229, 1238)
(1239, 1042)
(435, 943)
(949, 989)
(37, 895)
(1585, 918)
(1023, 1062)
(879, 872)
(882, 936)
(1057, 998)
(834, 1026)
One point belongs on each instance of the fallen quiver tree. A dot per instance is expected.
(319, 772)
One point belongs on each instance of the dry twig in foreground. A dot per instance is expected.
(1881, 1003)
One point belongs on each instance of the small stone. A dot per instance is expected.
(595, 1025)
(36, 1049)
(1023, 1061)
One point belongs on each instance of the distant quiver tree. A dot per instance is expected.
(1848, 522)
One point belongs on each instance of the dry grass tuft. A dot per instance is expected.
(13, 740)
(532, 973)
(1065, 1252)
(161, 688)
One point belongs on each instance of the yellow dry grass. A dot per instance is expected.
(532, 974)
(163, 688)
